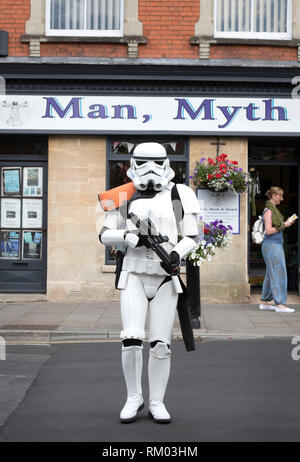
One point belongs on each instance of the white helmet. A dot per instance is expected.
(150, 167)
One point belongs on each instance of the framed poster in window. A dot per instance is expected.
(10, 213)
(32, 213)
(32, 245)
(9, 245)
(11, 181)
(33, 181)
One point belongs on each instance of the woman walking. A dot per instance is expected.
(275, 282)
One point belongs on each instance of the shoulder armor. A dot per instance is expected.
(190, 203)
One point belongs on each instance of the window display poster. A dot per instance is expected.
(11, 181)
(10, 245)
(32, 215)
(33, 181)
(32, 245)
(220, 206)
(10, 213)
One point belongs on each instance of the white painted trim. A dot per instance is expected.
(83, 32)
(256, 35)
(253, 35)
(290, 19)
(215, 16)
(47, 16)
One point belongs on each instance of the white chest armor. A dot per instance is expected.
(160, 211)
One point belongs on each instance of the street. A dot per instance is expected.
(240, 390)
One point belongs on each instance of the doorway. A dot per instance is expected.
(23, 215)
(267, 172)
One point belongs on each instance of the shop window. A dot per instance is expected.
(119, 152)
(260, 19)
(274, 153)
(85, 17)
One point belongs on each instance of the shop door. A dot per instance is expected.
(276, 162)
(23, 226)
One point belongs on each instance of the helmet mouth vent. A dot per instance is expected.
(150, 185)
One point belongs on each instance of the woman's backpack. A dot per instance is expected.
(258, 231)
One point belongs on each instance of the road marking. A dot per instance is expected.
(15, 376)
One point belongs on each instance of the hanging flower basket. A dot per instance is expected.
(216, 235)
(220, 175)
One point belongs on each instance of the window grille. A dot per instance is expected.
(85, 17)
(253, 18)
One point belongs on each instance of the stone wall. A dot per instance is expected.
(75, 256)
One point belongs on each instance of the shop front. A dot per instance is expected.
(50, 217)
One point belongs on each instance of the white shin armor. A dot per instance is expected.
(132, 364)
(159, 370)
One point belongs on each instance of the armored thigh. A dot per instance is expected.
(162, 313)
(134, 304)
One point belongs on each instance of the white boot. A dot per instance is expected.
(132, 363)
(158, 372)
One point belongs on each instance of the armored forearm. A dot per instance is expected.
(112, 236)
(184, 247)
(118, 236)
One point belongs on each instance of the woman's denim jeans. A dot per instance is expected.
(275, 282)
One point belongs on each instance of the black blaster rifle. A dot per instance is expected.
(152, 240)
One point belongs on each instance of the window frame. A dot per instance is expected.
(110, 156)
(256, 35)
(83, 32)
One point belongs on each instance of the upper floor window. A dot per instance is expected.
(261, 19)
(85, 18)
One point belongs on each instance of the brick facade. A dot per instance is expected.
(13, 16)
(168, 26)
(92, 50)
(253, 52)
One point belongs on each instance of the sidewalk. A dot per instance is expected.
(51, 322)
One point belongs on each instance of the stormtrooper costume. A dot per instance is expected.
(143, 282)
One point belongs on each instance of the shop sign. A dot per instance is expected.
(223, 206)
(180, 115)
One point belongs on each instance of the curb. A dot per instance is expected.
(42, 336)
(54, 336)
